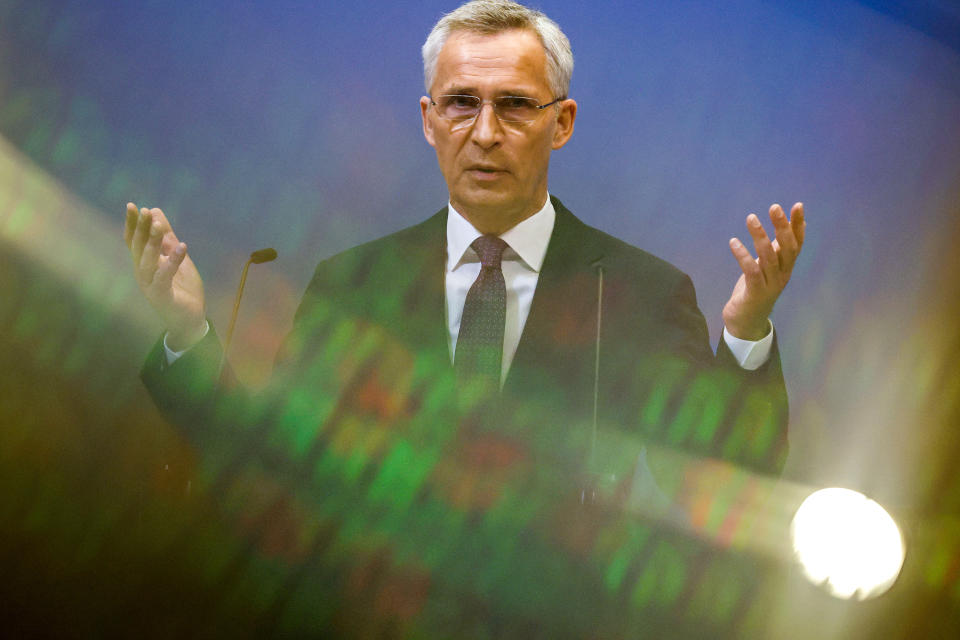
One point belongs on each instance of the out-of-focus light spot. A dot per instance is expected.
(847, 543)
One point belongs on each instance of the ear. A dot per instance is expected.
(564, 125)
(427, 122)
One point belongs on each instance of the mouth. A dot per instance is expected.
(484, 171)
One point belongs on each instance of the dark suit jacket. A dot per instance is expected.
(365, 380)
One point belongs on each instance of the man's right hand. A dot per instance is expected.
(166, 276)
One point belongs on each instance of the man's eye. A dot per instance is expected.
(515, 102)
(462, 102)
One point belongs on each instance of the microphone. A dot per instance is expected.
(263, 255)
(257, 257)
(588, 494)
(596, 364)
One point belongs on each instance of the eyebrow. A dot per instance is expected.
(472, 91)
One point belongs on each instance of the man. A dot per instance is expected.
(392, 343)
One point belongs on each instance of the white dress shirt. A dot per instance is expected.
(526, 247)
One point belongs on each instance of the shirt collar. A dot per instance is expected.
(527, 240)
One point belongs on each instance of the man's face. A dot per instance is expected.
(496, 172)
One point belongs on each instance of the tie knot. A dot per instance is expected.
(490, 249)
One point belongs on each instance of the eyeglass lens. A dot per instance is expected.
(508, 108)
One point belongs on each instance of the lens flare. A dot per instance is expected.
(847, 543)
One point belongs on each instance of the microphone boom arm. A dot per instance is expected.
(257, 257)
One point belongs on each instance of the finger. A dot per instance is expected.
(798, 222)
(163, 278)
(131, 223)
(169, 244)
(749, 266)
(140, 235)
(170, 240)
(785, 245)
(149, 259)
(766, 256)
(161, 218)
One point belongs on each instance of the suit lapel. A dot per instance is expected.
(423, 312)
(557, 344)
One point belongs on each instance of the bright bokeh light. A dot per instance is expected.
(847, 543)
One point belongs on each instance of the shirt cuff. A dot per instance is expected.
(172, 355)
(751, 355)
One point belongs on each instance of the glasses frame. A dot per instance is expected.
(463, 121)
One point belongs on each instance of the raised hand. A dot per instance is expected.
(764, 277)
(166, 275)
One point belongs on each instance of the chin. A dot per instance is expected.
(492, 205)
(484, 198)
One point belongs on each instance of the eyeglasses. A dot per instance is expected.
(513, 109)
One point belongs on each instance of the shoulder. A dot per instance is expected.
(409, 243)
(392, 264)
(617, 257)
(404, 250)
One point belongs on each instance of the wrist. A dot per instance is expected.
(751, 331)
(181, 340)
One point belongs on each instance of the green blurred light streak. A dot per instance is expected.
(728, 495)
(661, 580)
(624, 556)
(402, 474)
(654, 409)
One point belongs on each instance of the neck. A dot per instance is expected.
(495, 220)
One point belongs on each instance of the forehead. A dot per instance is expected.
(502, 62)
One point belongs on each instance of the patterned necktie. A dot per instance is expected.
(480, 342)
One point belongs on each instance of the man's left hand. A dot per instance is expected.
(764, 277)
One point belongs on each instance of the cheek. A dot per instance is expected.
(536, 154)
(446, 147)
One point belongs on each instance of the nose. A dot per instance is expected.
(486, 127)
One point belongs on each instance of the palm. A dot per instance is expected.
(763, 278)
(165, 273)
(182, 304)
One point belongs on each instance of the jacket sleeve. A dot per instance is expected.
(724, 410)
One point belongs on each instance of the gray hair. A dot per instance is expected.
(489, 17)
